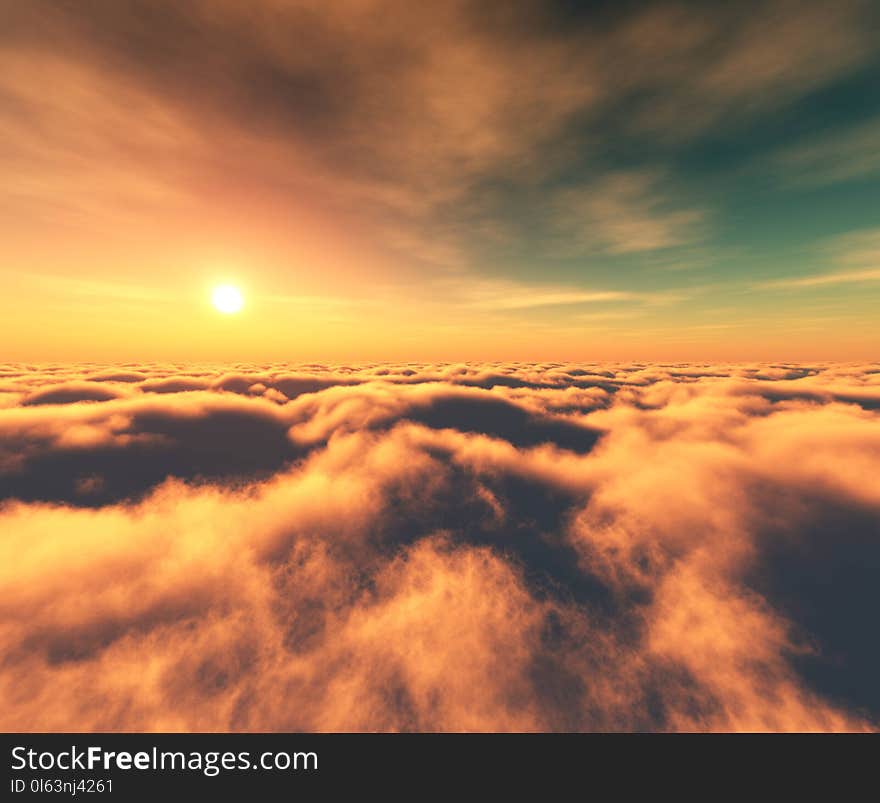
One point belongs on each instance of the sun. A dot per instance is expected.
(227, 299)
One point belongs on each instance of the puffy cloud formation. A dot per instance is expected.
(439, 547)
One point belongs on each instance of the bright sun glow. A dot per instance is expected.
(227, 299)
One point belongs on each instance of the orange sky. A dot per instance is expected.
(455, 182)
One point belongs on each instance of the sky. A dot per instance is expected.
(387, 180)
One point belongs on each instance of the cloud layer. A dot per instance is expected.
(439, 547)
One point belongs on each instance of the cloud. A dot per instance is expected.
(720, 67)
(625, 212)
(441, 547)
(352, 88)
(71, 392)
(823, 279)
(852, 153)
(858, 251)
(240, 429)
(510, 296)
(367, 135)
(547, 297)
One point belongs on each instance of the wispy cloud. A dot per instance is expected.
(822, 279)
(737, 61)
(507, 295)
(853, 153)
(858, 255)
(625, 212)
(510, 296)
